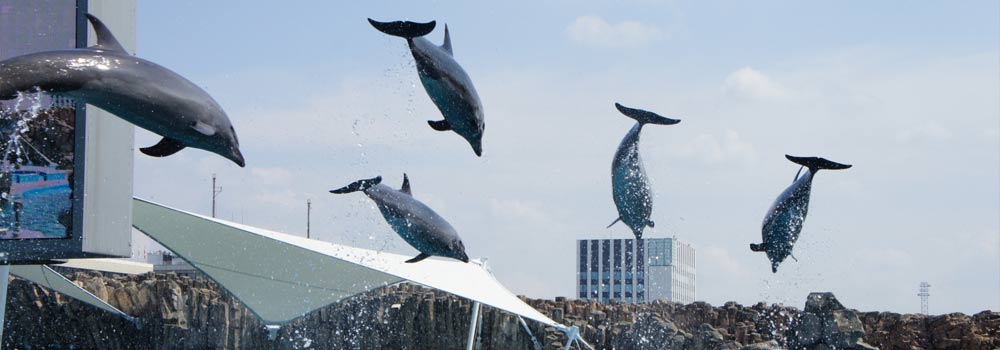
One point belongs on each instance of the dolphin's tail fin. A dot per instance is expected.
(359, 185)
(645, 117)
(816, 163)
(756, 247)
(405, 29)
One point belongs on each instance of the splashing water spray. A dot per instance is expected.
(14, 124)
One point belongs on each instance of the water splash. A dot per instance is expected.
(15, 123)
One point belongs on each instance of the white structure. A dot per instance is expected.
(635, 270)
(281, 277)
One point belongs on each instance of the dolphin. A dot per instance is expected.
(629, 183)
(784, 219)
(446, 82)
(136, 90)
(419, 226)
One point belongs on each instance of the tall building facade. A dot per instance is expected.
(635, 270)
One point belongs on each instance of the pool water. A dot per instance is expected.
(42, 208)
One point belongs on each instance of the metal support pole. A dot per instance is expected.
(309, 206)
(4, 275)
(215, 193)
(473, 325)
(272, 331)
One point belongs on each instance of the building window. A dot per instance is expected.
(660, 252)
(640, 249)
(583, 256)
(583, 295)
(618, 255)
(594, 256)
(628, 255)
(606, 255)
(618, 295)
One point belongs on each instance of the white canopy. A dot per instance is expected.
(46, 277)
(281, 277)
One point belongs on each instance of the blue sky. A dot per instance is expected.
(905, 91)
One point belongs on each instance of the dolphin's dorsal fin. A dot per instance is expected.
(105, 40)
(447, 41)
(406, 185)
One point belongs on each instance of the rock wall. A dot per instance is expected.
(179, 312)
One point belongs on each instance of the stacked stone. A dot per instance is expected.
(179, 312)
(825, 324)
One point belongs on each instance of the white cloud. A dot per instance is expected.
(749, 83)
(271, 176)
(518, 209)
(709, 149)
(594, 31)
(720, 259)
(928, 131)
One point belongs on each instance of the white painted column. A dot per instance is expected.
(473, 325)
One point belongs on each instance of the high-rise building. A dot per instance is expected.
(635, 270)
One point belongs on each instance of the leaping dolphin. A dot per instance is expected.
(419, 226)
(629, 183)
(446, 83)
(783, 222)
(139, 91)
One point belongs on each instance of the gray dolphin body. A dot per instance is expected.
(784, 219)
(419, 226)
(136, 90)
(629, 184)
(447, 84)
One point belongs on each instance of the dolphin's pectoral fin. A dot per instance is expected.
(165, 147)
(418, 258)
(203, 128)
(757, 247)
(406, 185)
(105, 40)
(447, 41)
(614, 222)
(439, 125)
(650, 223)
(793, 257)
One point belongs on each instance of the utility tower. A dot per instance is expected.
(925, 293)
(215, 193)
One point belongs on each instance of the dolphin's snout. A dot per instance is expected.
(478, 148)
(237, 157)
(464, 257)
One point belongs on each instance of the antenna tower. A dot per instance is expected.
(925, 293)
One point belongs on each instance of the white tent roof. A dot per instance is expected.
(109, 265)
(48, 278)
(281, 277)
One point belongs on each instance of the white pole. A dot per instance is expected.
(473, 323)
(4, 274)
